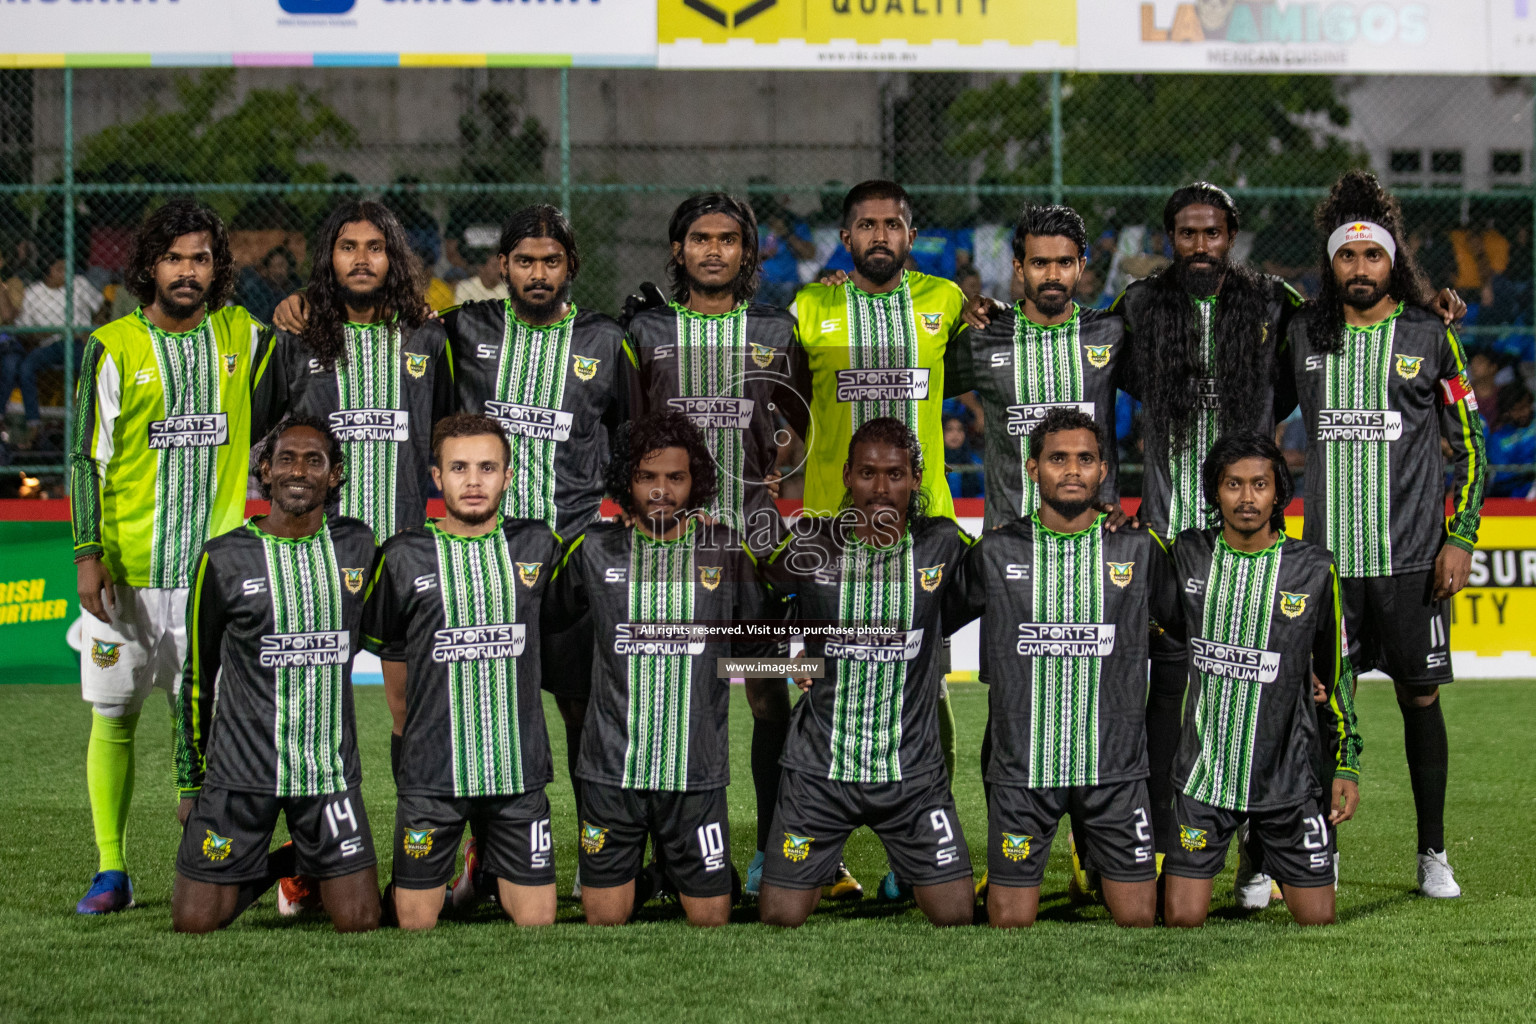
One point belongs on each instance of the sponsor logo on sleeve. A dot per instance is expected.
(200, 431)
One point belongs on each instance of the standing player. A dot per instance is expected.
(734, 367)
(1043, 353)
(368, 363)
(158, 465)
(655, 757)
(264, 722)
(458, 601)
(1263, 615)
(864, 742)
(1068, 610)
(1382, 382)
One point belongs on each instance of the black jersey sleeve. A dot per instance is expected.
(194, 703)
(566, 599)
(1165, 609)
(965, 598)
(1462, 429)
(1331, 664)
(795, 390)
(269, 386)
(958, 375)
(383, 618)
(444, 396)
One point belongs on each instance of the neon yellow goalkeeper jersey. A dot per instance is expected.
(872, 356)
(161, 443)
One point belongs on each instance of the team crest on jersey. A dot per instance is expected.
(932, 322)
(353, 578)
(418, 842)
(797, 848)
(528, 572)
(1098, 355)
(762, 355)
(1015, 847)
(415, 365)
(709, 577)
(105, 653)
(1191, 838)
(585, 367)
(1292, 605)
(1120, 573)
(217, 847)
(1408, 366)
(230, 359)
(592, 838)
(932, 576)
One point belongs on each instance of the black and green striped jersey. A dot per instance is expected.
(1022, 371)
(1066, 627)
(1259, 625)
(733, 375)
(1375, 414)
(381, 400)
(661, 612)
(559, 391)
(1171, 498)
(878, 615)
(463, 614)
(265, 704)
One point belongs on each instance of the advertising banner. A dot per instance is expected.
(1512, 37)
(867, 35)
(1282, 36)
(364, 33)
(38, 601)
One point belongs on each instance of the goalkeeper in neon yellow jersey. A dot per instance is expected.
(158, 466)
(876, 345)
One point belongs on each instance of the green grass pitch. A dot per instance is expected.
(1394, 957)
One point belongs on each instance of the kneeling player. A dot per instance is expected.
(458, 601)
(863, 745)
(273, 622)
(1263, 615)
(654, 746)
(1068, 608)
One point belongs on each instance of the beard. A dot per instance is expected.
(474, 518)
(1364, 301)
(1067, 509)
(697, 287)
(880, 266)
(181, 310)
(1049, 301)
(1198, 277)
(296, 508)
(368, 298)
(535, 312)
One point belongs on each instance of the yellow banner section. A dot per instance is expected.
(869, 22)
(1496, 613)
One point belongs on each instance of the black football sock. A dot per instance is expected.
(395, 740)
(767, 747)
(1165, 706)
(1428, 756)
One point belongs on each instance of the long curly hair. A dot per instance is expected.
(1359, 196)
(1230, 448)
(401, 296)
(268, 445)
(153, 240)
(691, 209)
(647, 435)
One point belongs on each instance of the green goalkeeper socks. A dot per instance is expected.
(109, 780)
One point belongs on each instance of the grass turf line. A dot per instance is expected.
(1395, 957)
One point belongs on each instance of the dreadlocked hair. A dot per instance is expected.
(400, 297)
(650, 434)
(1359, 196)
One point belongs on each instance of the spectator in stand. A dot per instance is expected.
(1291, 436)
(1481, 253)
(42, 305)
(260, 288)
(962, 464)
(266, 222)
(1090, 290)
(1506, 298)
(1488, 374)
(969, 280)
(1512, 443)
(783, 240)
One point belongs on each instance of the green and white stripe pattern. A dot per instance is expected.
(1047, 367)
(661, 586)
(709, 365)
(1186, 503)
(1068, 583)
(306, 598)
(1358, 486)
(876, 590)
(532, 372)
(882, 334)
(186, 478)
(477, 583)
(369, 378)
(1239, 601)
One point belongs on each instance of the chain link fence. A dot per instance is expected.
(85, 153)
